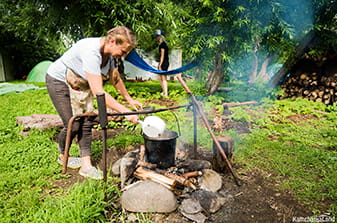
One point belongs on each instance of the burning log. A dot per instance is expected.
(192, 174)
(144, 174)
(142, 153)
(180, 179)
(169, 180)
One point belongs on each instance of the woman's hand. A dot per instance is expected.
(136, 104)
(132, 118)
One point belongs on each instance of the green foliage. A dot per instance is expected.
(125, 140)
(26, 161)
(149, 90)
(213, 102)
(80, 203)
(28, 167)
(240, 114)
(198, 88)
(32, 31)
(300, 106)
(250, 92)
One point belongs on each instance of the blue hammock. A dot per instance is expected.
(136, 60)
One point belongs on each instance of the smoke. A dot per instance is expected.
(293, 18)
(298, 14)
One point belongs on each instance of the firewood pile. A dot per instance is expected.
(313, 87)
(312, 82)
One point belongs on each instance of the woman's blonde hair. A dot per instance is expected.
(122, 34)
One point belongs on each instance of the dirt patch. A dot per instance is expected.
(163, 102)
(223, 123)
(257, 201)
(72, 176)
(254, 201)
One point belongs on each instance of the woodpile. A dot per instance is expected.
(312, 82)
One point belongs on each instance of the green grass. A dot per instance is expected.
(299, 153)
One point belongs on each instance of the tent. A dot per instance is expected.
(38, 73)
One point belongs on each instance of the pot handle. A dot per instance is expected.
(178, 125)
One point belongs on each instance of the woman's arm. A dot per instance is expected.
(119, 84)
(96, 86)
(120, 87)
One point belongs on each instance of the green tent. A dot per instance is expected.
(38, 73)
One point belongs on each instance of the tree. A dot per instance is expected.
(225, 33)
(31, 31)
(247, 34)
(223, 29)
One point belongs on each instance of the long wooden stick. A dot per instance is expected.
(240, 104)
(202, 114)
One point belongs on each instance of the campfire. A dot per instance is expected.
(154, 182)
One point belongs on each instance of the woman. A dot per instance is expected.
(163, 60)
(76, 77)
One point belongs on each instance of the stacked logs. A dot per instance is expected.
(312, 83)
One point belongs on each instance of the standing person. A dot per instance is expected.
(163, 60)
(76, 77)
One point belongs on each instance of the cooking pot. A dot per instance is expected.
(161, 150)
(153, 126)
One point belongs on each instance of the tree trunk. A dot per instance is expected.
(216, 76)
(263, 75)
(227, 144)
(252, 77)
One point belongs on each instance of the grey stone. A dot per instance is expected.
(148, 196)
(127, 166)
(197, 218)
(115, 169)
(209, 201)
(210, 180)
(190, 206)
